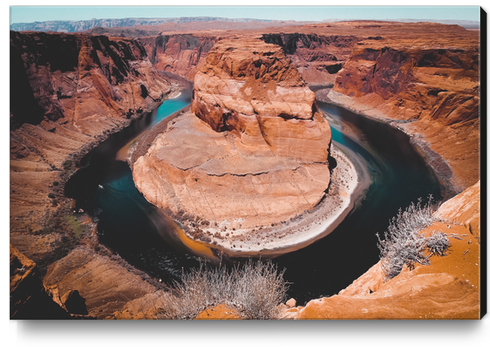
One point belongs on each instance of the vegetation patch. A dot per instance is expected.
(255, 290)
(403, 243)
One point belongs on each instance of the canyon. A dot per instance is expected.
(72, 91)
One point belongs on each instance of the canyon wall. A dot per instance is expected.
(431, 90)
(182, 54)
(58, 73)
(318, 58)
(68, 92)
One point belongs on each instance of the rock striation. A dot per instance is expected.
(252, 90)
(318, 58)
(430, 90)
(182, 54)
(254, 150)
(68, 92)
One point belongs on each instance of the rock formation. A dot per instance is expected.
(257, 152)
(448, 288)
(69, 92)
(182, 54)
(28, 299)
(430, 89)
(318, 58)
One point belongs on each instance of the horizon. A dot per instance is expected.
(31, 14)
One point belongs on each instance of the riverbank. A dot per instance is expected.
(346, 188)
(441, 166)
(43, 223)
(425, 135)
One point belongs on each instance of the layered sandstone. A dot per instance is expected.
(28, 299)
(318, 58)
(38, 155)
(255, 150)
(430, 89)
(249, 88)
(182, 54)
(68, 93)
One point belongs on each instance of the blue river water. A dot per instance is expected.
(128, 224)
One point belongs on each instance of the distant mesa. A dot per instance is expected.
(82, 25)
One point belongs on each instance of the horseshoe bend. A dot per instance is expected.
(256, 165)
(252, 153)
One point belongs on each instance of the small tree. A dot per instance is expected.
(403, 242)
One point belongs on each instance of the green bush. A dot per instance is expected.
(403, 242)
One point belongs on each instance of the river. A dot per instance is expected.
(129, 225)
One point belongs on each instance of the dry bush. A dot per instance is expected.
(403, 242)
(255, 290)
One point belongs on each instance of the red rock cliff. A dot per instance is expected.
(429, 87)
(67, 93)
(317, 57)
(179, 53)
(252, 89)
(448, 288)
(59, 73)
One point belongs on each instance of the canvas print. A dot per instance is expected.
(246, 162)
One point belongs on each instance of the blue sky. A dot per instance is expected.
(20, 14)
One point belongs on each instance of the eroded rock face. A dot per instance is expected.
(182, 54)
(317, 57)
(68, 92)
(431, 90)
(257, 152)
(78, 77)
(251, 89)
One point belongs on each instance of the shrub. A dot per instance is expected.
(403, 242)
(254, 290)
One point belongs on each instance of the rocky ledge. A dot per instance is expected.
(252, 154)
(448, 288)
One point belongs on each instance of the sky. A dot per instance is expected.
(27, 14)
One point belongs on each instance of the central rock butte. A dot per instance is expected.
(251, 154)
